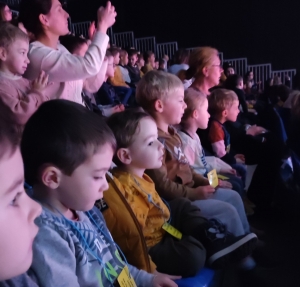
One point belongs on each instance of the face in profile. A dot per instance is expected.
(17, 215)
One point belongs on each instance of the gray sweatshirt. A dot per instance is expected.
(77, 253)
(20, 281)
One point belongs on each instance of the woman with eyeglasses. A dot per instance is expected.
(204, 70)
(5, 12)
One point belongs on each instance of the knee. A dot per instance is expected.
(193, 260)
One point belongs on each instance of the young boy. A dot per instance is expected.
(224, 106)
(117, 80)
(123, 66)
(139, 149)
(140, 63)
(162, 95)
(107, 97)
(19, 98)
(66, 165)
(17, 214)
(149, 58)
(133, 69)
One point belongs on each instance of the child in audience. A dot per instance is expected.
(5, 12)
(117, 80)
(149, 59)
(138, 149)
(47, 20)
(77, 45)
(161, 65)
(156, 64)
(17, 213)
(66, 165)
(122, 65)
(107, 96)
(19, 98)
(132, 67)
(224, 106)
(162, 95)
(196, 117)
(140, 63)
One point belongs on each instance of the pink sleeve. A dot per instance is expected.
(21, 107)
(219, 148)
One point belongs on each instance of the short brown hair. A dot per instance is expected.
(220, 100)
(124, 126)
(155, 85)
(114, 51)
(9, 34)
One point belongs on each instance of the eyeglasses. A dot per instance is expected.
(220, 66)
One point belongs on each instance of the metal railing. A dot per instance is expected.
(124, 39)
(81, 28)
(282, 74)
(12, 2)
(240, 65)
(261, 73)
(146, 44)
(166, 49)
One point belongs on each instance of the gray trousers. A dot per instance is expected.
(227, 206)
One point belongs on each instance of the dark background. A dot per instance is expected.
(263, 31)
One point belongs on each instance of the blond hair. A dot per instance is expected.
(193, 100)
(9, 34)
(155, 85)
(220, 100)
(199, 58)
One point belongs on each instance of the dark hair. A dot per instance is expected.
(124, 126)
(232, 81)
(132, 52)
(181, 56)
(9, 34)
(114, 51)
(2, 16)
(62, 133)
(30, 10)
(147, 55)
(72, 42)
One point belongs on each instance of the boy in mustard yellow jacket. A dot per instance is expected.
(173, 233)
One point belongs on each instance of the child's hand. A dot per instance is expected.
(230, 171)
(204, 192)
(164, 280)
(225, 184)
(41, 82)
(255, 130)
(240, 158)
(106, 17)
(91, 30)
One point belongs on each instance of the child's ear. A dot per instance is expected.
(224, 113)
(124, 156)
(158, 105)
(195, 114)
(51, 176)
(3, 54)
